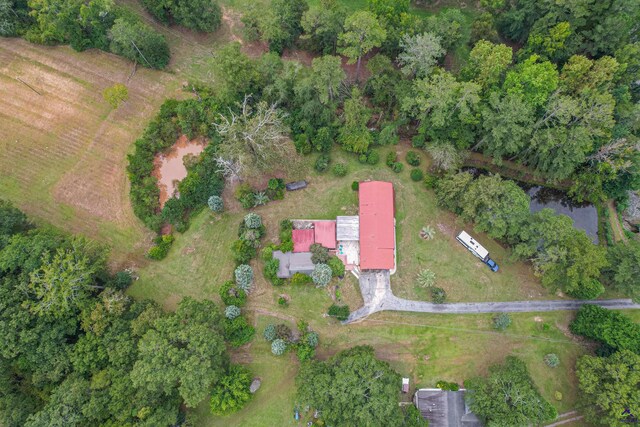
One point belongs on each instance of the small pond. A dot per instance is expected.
(170, 168)
(584, 215)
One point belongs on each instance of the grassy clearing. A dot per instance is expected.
(64, 149)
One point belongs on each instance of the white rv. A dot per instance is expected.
(477, 249)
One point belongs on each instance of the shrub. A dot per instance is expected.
(418, 141)
(243, 251)
(438, 295)
(138, 42)
(230, 294)
(286, 246)
(312, 339)
(248, 200)
(397, 167)
(238, 332)
(278, 347)
(116, 94)
(305, 352)
(426, 278)
(215, 203)
(302, 144)
(283, 332)
(613, 329)
(388, 135)
(231, 312)
(322, 163)
(323, 139)
(355, 185)
(300, 279)
(244, 277)
(269, 333)
(319, 254)
(416, 175)
(122, 280)
(260, 198)
(267, 253)
(430, 180)
(502, 321)
(270, 271)
(557, 395)
(340, 169)
(321, 275)
(373, 158)
(282, 301)
(551, 360)
(337, 266)
(340, 312)
(447, 386)
(275, 189)
(161, 249)
(252, 221)
(413, 158)
(391, 158)
(231, 392)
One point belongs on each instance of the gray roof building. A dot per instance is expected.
(445, 408)
(291, 263)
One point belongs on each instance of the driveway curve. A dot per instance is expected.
(377, 295)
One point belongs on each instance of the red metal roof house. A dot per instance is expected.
(325, 233)
(302, 239)
(377, 226)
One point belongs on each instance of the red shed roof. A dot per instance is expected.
(302, 240)
(325, 233)
(377, 226)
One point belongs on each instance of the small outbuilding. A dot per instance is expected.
(348, 228)
(325, 233)
(445, 408)
(303, 239)
(292, 263)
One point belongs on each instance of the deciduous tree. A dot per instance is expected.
(420, 53)
(362, 32)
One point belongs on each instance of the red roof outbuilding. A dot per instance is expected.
(377, 226)
(325, 233)
(302, 240)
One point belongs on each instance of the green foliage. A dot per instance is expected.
(340, 169)
(438, 295)
(232, 392)
(270, 271)
(322, 26)
(416, 175)
(139, 42)
(244, 277)
(253, 221)
(624, 268)
(508, 396)
(198, 15)
(121, 280)
(413, 158)
(12, 221)
(243, 251)
(238, 332)
(337, 266)
(236, 74)
(420, 53)
(426, 278)
(488, 63)
(397, 167)
(282, 301)
(116, 94)
(448, 25)
(335, 387)
(231, 312)
(609, 388)
(269, 333)
(300, 279)
(319, 254)
(551, 360)
(232, 294)
(362, 32)
(215, 203)
(321, 275)
(392, 156)
(354, 135)
(611, 328)
(305, 352)
(340, 312)
(278, 347)
(322, 163)
(501, 321)
(447, 386)
(312, 339)
(533, 79)
(355, 185)
(430, 181)
(507, 124)
(388, 136)
(191, 333)
(484, 28)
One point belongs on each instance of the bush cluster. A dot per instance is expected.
(371, 157)
(161, 248)
(340, 312)
(447, 386)
(322, 163)
(413, 158)
(231, 294)
(340, 169)
(416, 175)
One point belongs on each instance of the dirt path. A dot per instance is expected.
(566, 418)
(618, 232)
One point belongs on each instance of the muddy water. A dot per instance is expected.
(170, 168)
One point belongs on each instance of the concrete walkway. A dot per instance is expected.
(377, 295)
